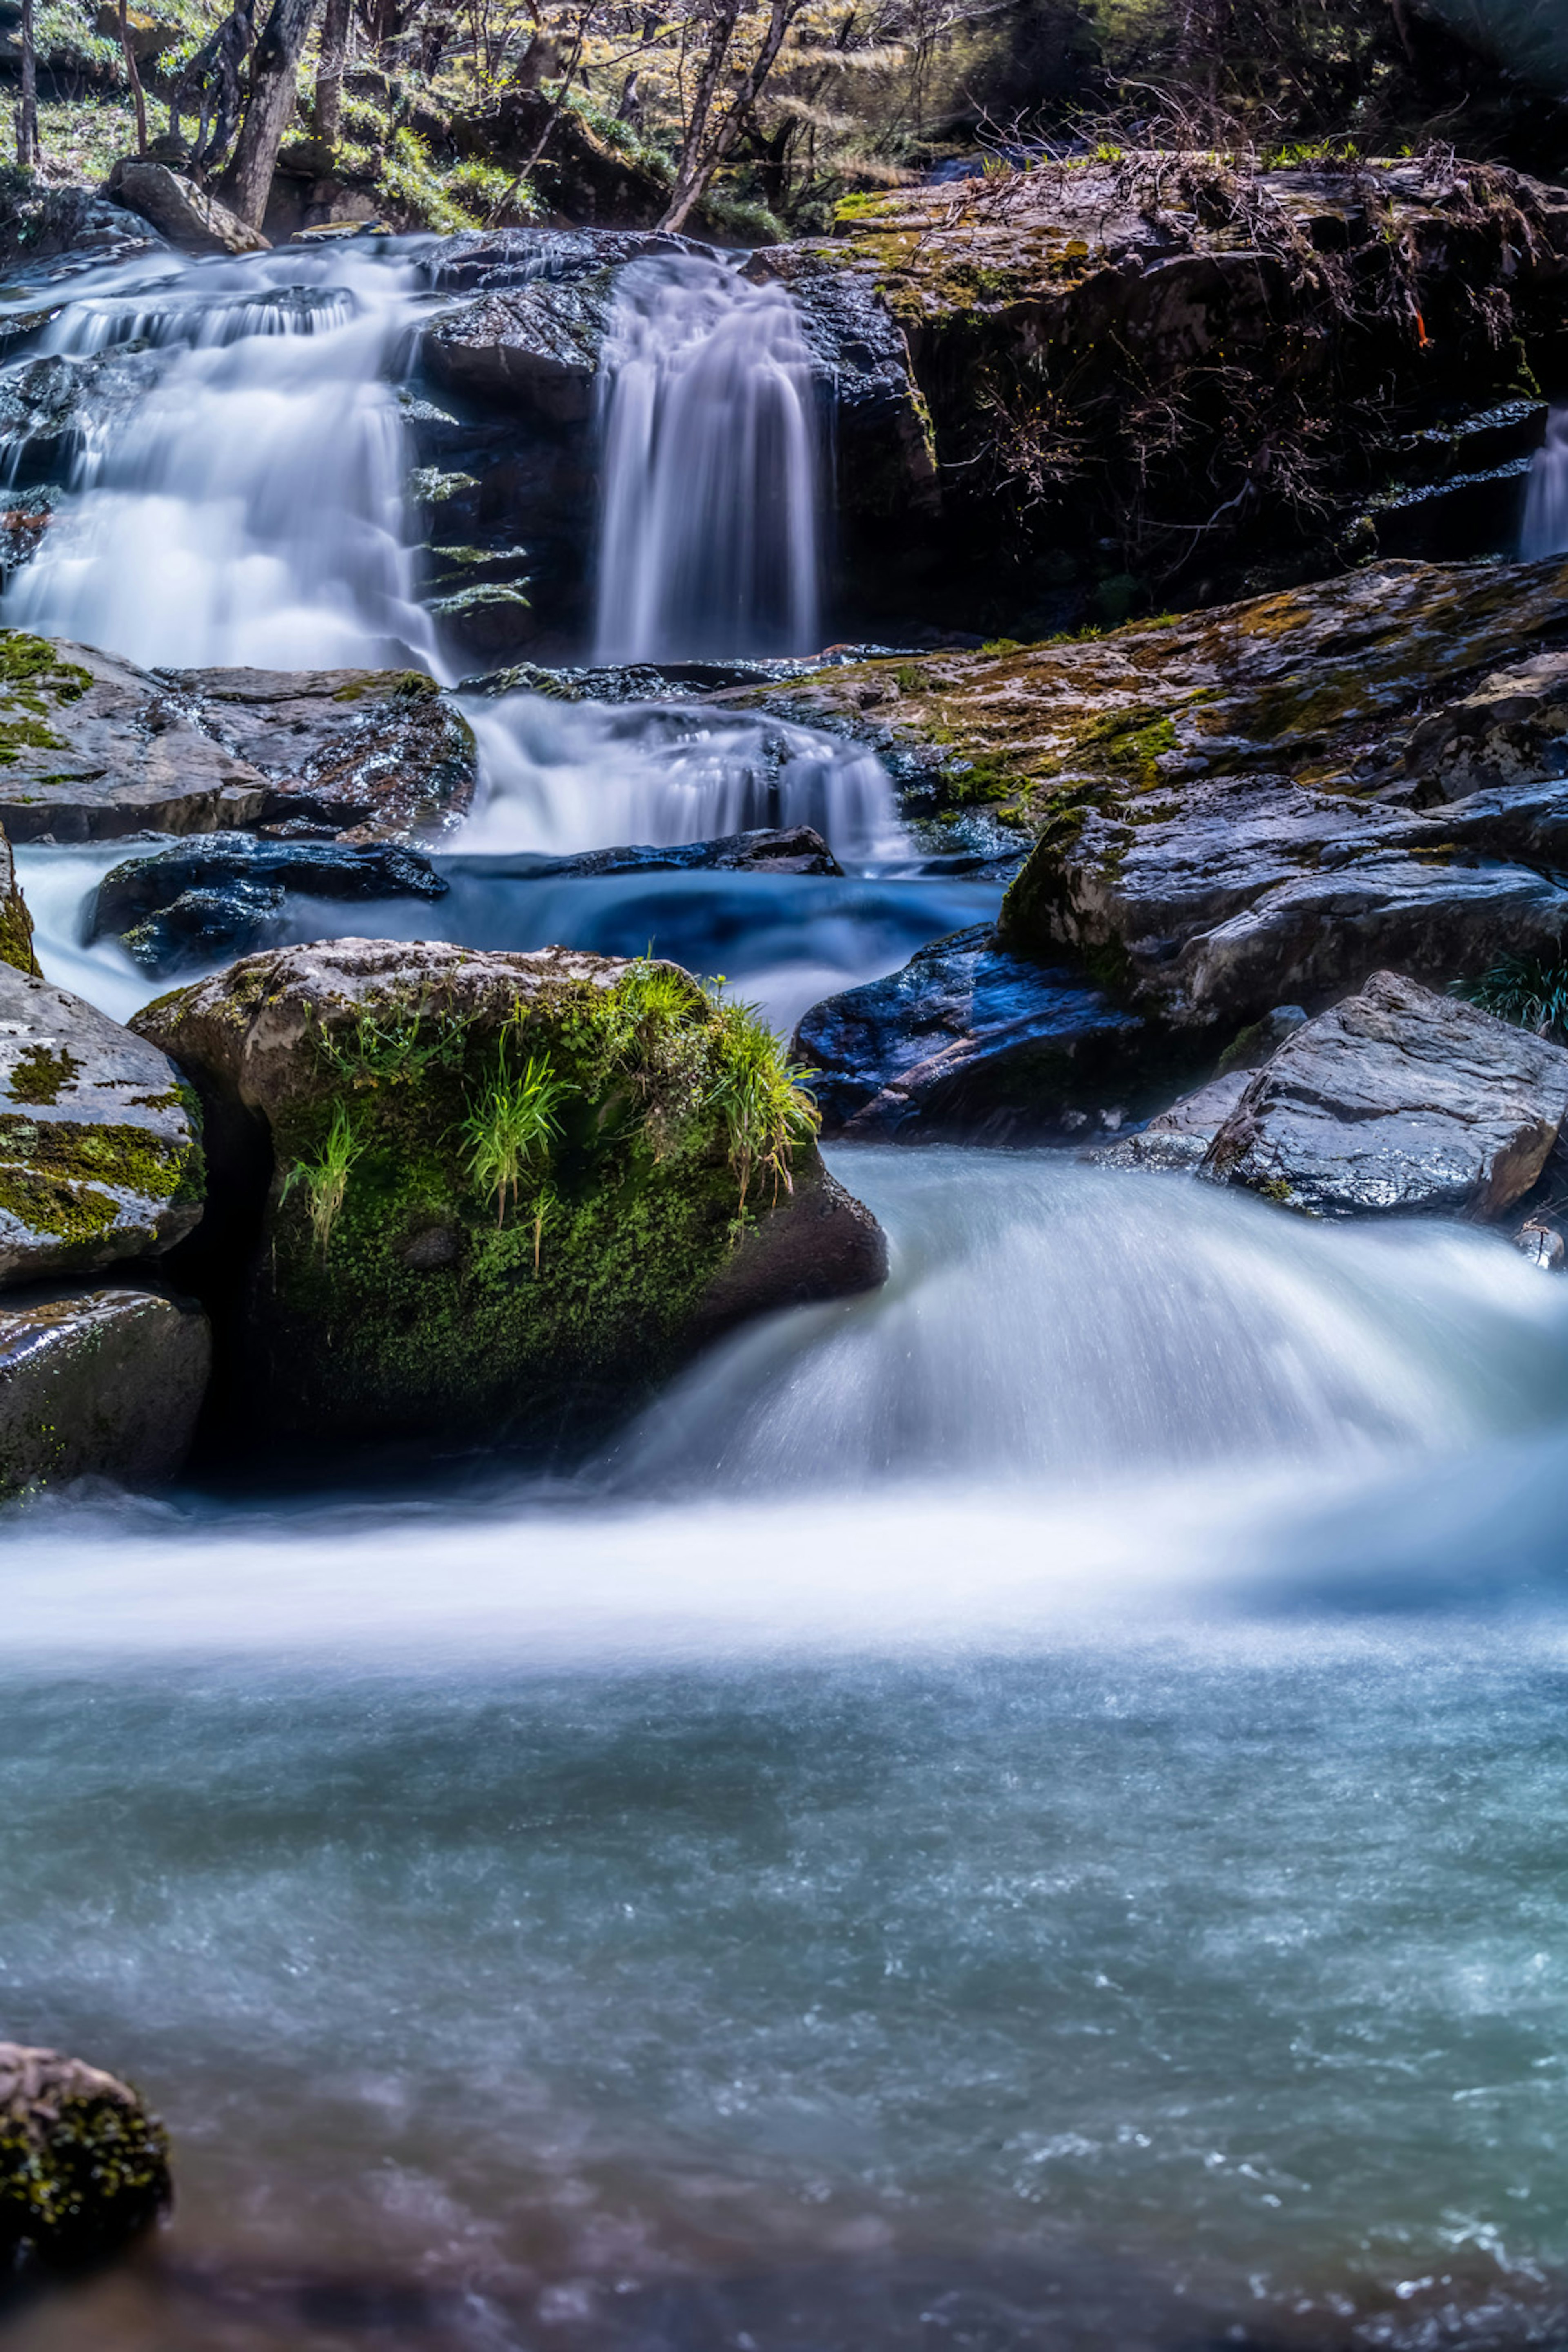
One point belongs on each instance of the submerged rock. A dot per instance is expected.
(793, 849)
(187, 215)
(48, 406)
(196, 903)
(84, 2167)
(1177, 1140)
(92, 747)
(480, 1196)
(968, 1039)
(1397, 1101)
(103, 1382)
(101, 1155)
(15, 923)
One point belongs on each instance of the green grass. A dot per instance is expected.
(1528, 991)
(512, 1127)
(326, 1177)
(761, 1097)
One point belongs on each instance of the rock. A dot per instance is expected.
(1543, 1244)
(56, 233)
(15, 923)
(1226, 805)
(84, 2167)
(797, 849)
(221, 897)
(185, 214)
(1178, 1139)
(1397, 1101)
(48, 406)
(1252, 1045)
(534, 349)
(965, 1039)
(92, 748)
(1512, 730)
(100, 1382)
(101, 1155)
(396, 1287)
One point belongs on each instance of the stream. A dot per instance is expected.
(1021, 1810)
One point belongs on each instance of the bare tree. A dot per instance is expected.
(707, 143)
(27, 111)
(328, 109)
(248, 183)
(134, 78)
(210, 85)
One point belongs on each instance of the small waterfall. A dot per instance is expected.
(248, 508)
(708, 543)
(1545, 530)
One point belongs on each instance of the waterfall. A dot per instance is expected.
(248, 508)
(708, 543)
(1545, 530)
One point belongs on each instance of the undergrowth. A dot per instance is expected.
(1526, 990)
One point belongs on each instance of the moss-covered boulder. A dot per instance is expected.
(104, 1382)
(15, 923)
(84, 2167)
(101, 1153)
(473, 1196)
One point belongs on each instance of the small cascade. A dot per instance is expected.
(1545, 530)
(709, 540)
(248, 507)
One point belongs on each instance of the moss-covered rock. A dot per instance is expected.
(15, 923)
(484, 1196)
(84, 2167)
(106, 1382)
(101, 1155)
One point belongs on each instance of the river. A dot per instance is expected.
(1024, 1811)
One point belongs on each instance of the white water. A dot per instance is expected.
(1545, 530)
(250, 510)
(710, 469)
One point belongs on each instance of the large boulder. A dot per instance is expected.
(228, 893)
(15, 923)
(101, 1155)
(187, 215)
(1397, 1101)
(967, 1039)
(104, 1382)
(84, 2167)
(483, 1196)
(91, 748)
(532, 348)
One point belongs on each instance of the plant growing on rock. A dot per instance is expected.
(1526, 990)
(514, 1124)
(761, 1097)
(326, 1177)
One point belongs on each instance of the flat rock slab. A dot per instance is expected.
(222, 895)
(104, 1384)
(1397, 1101)
(795, 849)
(92, 748)
(101, 1155)
(83, 2166)
(965, 1038)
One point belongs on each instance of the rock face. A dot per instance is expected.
(185, 214)
(100, 1154)
(1397, 1101)
(106, 1381)
(966, 1039)
(83, 2167)
(490, 1196)
(15, 923)
(92, 748)
(1246, 807)
(225, 894)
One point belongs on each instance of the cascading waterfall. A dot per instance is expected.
(711, 464)
(248, 508)
(1545, 530)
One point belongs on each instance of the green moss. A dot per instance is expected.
(68, 1157)
(16, 934)
(50, 1203)
(38, 1074)
(27, 735)
(82, 2179)
(34, 663)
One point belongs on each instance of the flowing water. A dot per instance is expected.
(1545, 528)
(1025, 1811)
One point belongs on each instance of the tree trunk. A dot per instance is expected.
(685, 192)
(248, 183)
(697, 165)
(330, 74)
(134, 78)
(27, 111)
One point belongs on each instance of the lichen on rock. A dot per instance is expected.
(84, 2167)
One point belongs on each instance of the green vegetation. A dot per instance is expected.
(38, 1074)
(511, 1128)
(1526, 990)
(325, 1176)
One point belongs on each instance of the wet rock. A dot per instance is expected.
(966, 1039)
(499, 260)
(1542, 1245)
(533, 349)
(223, 896)
(1512, 730)
(101, 1155)
(184, 214)
(103, 1382)
(795, 849)
(49, 404)
(1177, 1140)
(399, 1281)
(1397, 1101)
(92, 748)
(57, 233)
(84, 2167)
(15, 923)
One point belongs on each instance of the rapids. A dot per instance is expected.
(1022, 1811)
